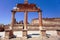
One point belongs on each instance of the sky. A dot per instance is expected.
(50, 9)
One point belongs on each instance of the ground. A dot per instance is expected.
(35, 38)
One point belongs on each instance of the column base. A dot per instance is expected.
(24, 33)
(58, 32)
(24, 38)
(43, 37)
(43, 33)
(8, 34)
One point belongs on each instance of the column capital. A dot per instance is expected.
(39, 10)
(13, 11)
(25, 11)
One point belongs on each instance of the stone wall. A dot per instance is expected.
(47, 21)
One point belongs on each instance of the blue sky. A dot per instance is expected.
(50, 9)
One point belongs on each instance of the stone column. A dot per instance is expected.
(25, 23)
(25, 20)
(42, 31)
(13, 18)
(40, 18)
(12, 24)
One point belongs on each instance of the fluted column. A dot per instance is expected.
(25, 23)
(42, 31)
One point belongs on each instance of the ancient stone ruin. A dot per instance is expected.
(39, 24)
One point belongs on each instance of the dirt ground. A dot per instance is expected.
(35, 38)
